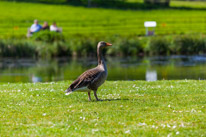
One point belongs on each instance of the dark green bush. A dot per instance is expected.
(125, 47)
(82, 46)
(55, 49)
(15, 48)
(87, 45)
(45, 50)
(186, 45)
(200, 47)
(32, 49)
(97, 3)
(158, 46)
(63, 49)
(48, 36)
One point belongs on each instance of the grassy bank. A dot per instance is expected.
(130, 108)
(48, 46)
(16, 17)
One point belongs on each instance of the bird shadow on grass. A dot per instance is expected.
(102, 100)
(119, 99)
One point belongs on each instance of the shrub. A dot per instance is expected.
(86, 46)
(158, 46)
(99, 3)
(200, 47)
(125, 47)
(16, 48)
(76, 46)
(82, 46)
(55, 49)
(48, 36)
(189, 45)
(63, 49)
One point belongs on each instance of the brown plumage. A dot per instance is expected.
(92, 78)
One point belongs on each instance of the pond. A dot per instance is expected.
(148, 68)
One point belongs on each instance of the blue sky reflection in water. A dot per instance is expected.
(149, 68)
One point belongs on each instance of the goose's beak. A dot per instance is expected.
(108, 44)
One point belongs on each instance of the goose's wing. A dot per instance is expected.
(85, 79)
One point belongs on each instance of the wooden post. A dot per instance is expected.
(147, 31)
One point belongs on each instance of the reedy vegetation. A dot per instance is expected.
(48, 45)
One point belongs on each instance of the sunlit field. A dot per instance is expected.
(16, 18)
(129, 108)
(188, 4)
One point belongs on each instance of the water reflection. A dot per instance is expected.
(36, 79)
(150, 69)
(151, 75)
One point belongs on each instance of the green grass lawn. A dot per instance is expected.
(188, 4)
(16, 17)
(130, 108)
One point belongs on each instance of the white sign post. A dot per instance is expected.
(150, 24)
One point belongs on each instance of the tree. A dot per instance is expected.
(81, 2)
(95, 3)
(157, 2)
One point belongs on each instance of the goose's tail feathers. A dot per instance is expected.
(68, 91)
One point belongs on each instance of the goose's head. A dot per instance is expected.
(103, 44)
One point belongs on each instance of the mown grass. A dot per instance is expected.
(129, 108)
(188, 4)
(16, 17)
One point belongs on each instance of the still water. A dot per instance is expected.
(148, 68)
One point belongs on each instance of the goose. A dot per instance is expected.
(93, 78)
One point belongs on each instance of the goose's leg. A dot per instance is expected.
(95, 94)
(89, 96)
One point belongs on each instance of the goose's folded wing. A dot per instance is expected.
(85, 79)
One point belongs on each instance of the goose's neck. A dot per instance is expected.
(100, 58)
